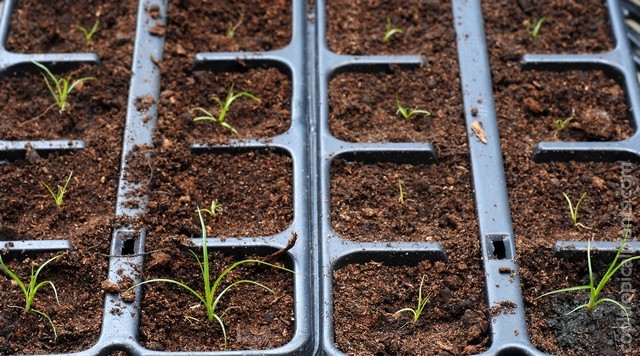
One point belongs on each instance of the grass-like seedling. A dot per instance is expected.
(422, 302)
(88, 34)
(59, 194)
(560, 124)
(224, 108)
(407, 112)
(214, 210)
(573, 211)
(401, 194)
(212, 295)
(533, 27)
(231, 29)
(390, 31)
(61, 87)
(594, 291)
(31, 289)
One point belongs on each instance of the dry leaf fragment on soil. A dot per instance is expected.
(476, 127)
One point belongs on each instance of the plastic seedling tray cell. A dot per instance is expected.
(299, 57)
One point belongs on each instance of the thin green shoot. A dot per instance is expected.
(594, 291)
(59, 194)
(401, 193)
(407, 112)
(212, 295)
(533, 27)
(231, 29)
(422, 302)
(224, 108)
(31, 289)
(573, 210)
(390, 31)
(214, 210)
(561, 124)
(88, 34)
(61, 87)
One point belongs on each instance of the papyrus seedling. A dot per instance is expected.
(214, 210)
(58, 195)
(573, 210)
(533, 27)
(390, 31)
(231, 29)
(422, 302)
(560, 124)
(594, 291)
(407, 112)
(61, 87)
(224, 108)
(212, 294)
(31, 289)
(88, 34)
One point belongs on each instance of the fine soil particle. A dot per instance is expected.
(438, 204)
(254, 318)
(367, 297)
(254, 188)
(527, 104)
(96, 116)
(77, 318)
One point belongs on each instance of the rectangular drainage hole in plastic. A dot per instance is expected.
(500, 247)
(128, 247)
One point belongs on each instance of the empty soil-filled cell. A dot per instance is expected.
(227, 26)
(534, 106)
(363, 107)
(85, 217)
(438, 202)
(255, 319)
(77, 277)
(184, 91)
(359, 27)
(40, 26)
(568, 27)
(605, 331)
(454, 321)
(254, 189)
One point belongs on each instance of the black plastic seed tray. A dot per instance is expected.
(319, 251)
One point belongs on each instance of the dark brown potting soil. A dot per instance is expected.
(528, 103)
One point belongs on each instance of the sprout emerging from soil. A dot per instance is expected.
(212, 295)
(390, 31)
(30, 290)
(59, 194)
(594, 291)
(533, 27)
(61, 87)
(88, 34)
(224, 108)
(573, 211)
(407, 112)
(214, 210)
(422, 302)
(561, 124)
(231, 29)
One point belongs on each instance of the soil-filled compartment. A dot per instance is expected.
(254, 318)
(368, 295)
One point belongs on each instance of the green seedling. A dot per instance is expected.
(573, 211)
(422, 302)
(407, 112)
(224, 108)
(61, 87)
(88, 34)
(594, 291)
(390, 31)
(30, 290)
(534, 27)
(212, 295)
(401, 197)
(214, 210)
(560, 124)
(231, 29)
(59, 194)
